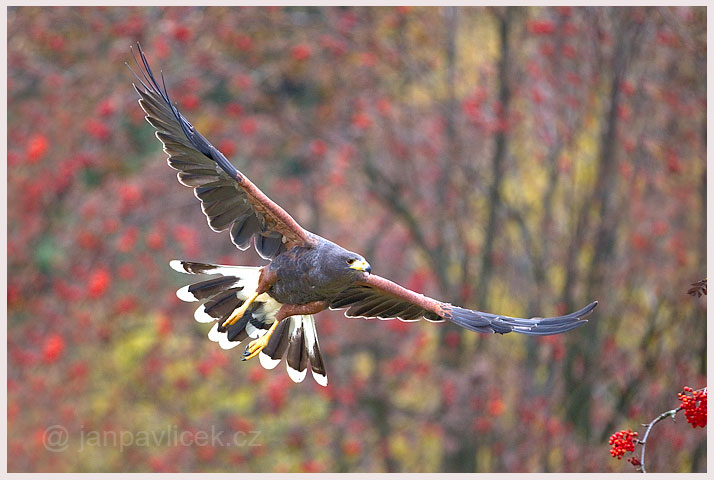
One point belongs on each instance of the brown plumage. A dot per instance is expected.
(306, 273)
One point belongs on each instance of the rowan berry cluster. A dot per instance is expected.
(694, 404)
(622, 442)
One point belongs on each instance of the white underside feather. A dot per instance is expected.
(294, 375)
(221, 338)
(201, 316)
(248, 279)
(308, 324)
(267, 362)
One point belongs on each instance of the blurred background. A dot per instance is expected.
(522, 161)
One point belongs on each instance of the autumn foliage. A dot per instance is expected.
(518, 160)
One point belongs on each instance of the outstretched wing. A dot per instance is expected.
(377, 297)
(228, 199)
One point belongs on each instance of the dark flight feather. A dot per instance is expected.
(297, 353)
(214, 179)
(212, 287)
(278, 343)
(377, 297)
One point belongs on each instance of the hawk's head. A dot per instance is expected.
(357, 262)
(342, 264)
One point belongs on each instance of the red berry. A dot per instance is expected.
(622, 442)
(694, 404)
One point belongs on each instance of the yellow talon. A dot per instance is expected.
(238, 314)
(257, 345)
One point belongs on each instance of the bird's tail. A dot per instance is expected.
(295, 337)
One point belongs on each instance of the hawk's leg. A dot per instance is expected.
(240, 311)
(265, 281)
(257, 345)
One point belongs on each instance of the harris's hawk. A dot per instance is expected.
(275, 304)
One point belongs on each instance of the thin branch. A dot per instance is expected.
(643, 442)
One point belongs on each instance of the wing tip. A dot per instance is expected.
(591, 307)
(537, 326)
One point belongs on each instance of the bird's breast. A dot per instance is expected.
(302, 278)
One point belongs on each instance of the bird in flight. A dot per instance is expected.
(306, 274)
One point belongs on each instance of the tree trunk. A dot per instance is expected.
(497, 161)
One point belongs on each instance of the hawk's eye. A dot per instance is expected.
(350, 261)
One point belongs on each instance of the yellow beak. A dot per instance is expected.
(362, 266)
